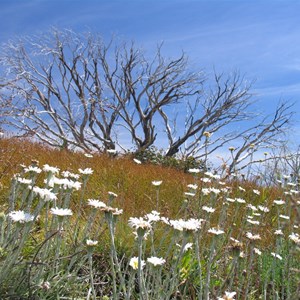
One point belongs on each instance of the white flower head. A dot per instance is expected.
(257, 192)
(44, 194)
(96, 203)
(205, 180)
(253, 237)
(295, 238)
(276, 255)
(279, 202)
(157, 183)
(20, 216)
(284, 217)
(257, 251)
(230, 200)
(134, 263)
(187, 247)
(24, 181)
(263, 208)
(208, 209)
(188, 225)
(295, 192)
(165, 220)
(228, 296)
(212, 175)
(194, 171)
(256, 214)
(253, 222)
(205, 191)
(64, 183)
(252, 207)
(215, 191)
(190, 194)
(111, 151)
(137, 161)
(215, 231)
(86, 171)
(53, 170)
(234, 240)
(278, 232)
(112, 194)
(61, 212)
(140, 224)
(154, 216)
(240, 200)
(68, 174)
(33, 170)
(156, 261)
(91, 243)
(192, 186)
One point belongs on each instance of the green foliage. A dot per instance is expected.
(154, 156)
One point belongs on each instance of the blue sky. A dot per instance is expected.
(259, 38)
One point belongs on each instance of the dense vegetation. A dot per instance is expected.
(118, 228)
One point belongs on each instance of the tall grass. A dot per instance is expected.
(94, 234)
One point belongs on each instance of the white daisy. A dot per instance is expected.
(134, 263)
(278, 202)
(140, 222)
(153, 216)
(257, 251)
(263, 208)
(61, 212)
(96, 203)
(257, 192)
(215, 231)
(44, 194)
(157, 183)
(284, 217)
(86, 171)
(278, 232)
(53, 170)
(20, 216)
(33, 170)
(91, 243)
(253, 237)
(112, 194)
(156, 261)
(192, 186)
(208, 209)
(24, 181)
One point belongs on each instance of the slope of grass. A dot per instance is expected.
(224, 255)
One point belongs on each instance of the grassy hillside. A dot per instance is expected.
(132, 182)
(244, 238)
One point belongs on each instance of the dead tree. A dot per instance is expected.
(72, 90)
(58, 89)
